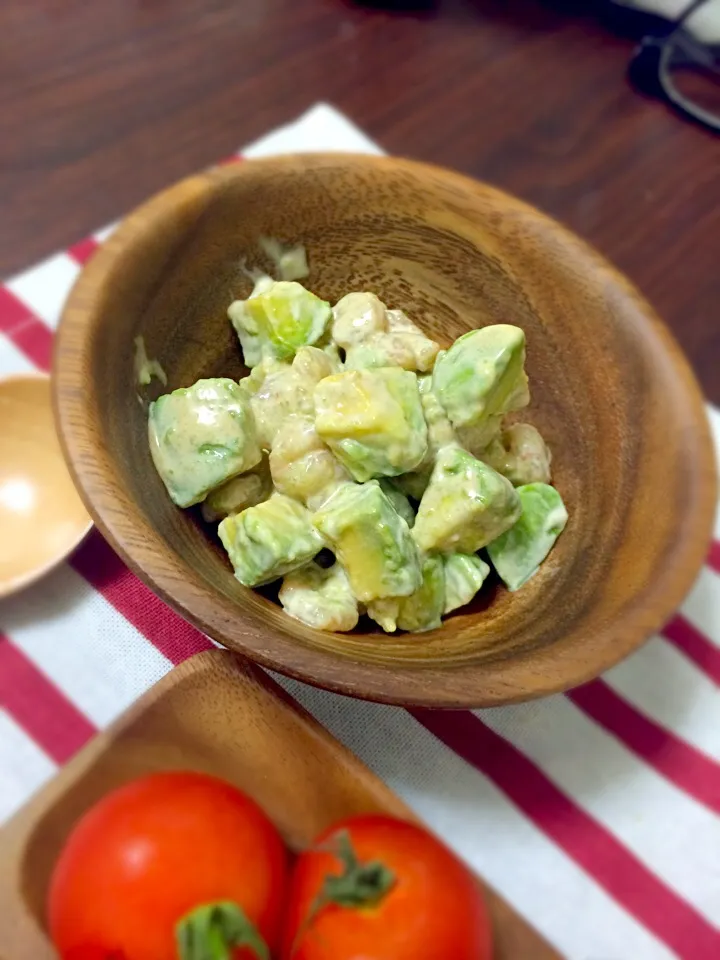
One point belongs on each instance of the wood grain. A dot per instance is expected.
(213, 714)
(42, 519)
(103, 104)
(611, 393)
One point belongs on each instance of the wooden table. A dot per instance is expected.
(103, 103)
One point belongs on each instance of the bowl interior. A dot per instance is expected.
(610, 393)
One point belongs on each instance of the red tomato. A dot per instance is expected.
(404, 896)
(151, 852)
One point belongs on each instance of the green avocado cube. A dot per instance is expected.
(466, 505)
(248, 333)
(371, 540)
(320, 598)
(413, 484)
(423, 609)
(372, 420)
(269, 540)
(440, 434)
(440, 430)
(200, 437)
(465, 573)
(398, 499)
(482, 375)
(279, 320)
(517, 553)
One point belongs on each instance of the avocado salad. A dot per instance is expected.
(356, 438)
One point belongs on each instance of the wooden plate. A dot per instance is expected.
(219, 715)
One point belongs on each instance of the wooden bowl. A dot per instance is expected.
(611, 392)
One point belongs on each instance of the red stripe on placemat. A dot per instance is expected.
(714, 556)
(96, 561)
(39, 707)
(614, 867)
(82, 251)
(35, 340)
(13, 312)
(695, 645)
(678, 761)
(23, 328)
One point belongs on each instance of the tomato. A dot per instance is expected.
(376, 888)
(152, 852)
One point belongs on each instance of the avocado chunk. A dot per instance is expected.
(371, 540)
(246, 329)
(278, 319)
(440, 434)
(398, 499)
(465, 573)
(269, 540)
(423, 609)
(372, 420)
(482, 375)
(517, 553)
(419, 612)
(200, 437)
(467, 504)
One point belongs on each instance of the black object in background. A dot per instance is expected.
(673, 65)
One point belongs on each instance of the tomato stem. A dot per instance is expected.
(214, 930)
(359, 884)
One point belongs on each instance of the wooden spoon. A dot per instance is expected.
(42, 518)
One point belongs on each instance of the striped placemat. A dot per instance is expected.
(595, 813)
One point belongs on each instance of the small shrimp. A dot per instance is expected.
(302, 466)
(357, 317)
(520, 454)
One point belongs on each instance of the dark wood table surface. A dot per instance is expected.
(105, 102)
